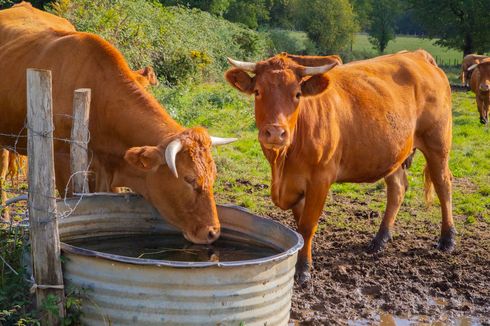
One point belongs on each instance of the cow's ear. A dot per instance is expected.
(240, 80)
(145, 158)
(314, 85)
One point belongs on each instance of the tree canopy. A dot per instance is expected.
(461, 25)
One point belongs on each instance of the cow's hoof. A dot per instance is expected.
(447, 242)
(379, 241)
(302, 275)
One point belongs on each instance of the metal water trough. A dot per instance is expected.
(121, 290)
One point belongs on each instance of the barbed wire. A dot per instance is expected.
(14, 150)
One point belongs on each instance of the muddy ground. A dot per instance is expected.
(410, 279)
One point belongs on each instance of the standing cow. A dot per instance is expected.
(468, 61)
(356, 123)
(480, 85)
(133, 141)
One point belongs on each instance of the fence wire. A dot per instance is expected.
(18, 194)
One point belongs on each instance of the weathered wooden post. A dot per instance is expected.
(80, 138)
(45, 244)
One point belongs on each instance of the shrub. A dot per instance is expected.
(184, 45)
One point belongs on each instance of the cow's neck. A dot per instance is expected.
(134, 118)
(314, 141)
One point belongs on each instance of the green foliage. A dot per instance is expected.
(183, 45)
(215, 7)
(36, 3)
(251, 13)
(461, 25)
(291, 42)
(330, 24)
(381, 26)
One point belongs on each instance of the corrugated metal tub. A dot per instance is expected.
(121, 290)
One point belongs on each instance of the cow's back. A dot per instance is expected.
(381, 104)
(23, 19)
(409, 80)
(33, 39)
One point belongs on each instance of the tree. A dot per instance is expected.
(383, 15)
(330, 24)
(215, 7)
(251, 13)
(462, 25)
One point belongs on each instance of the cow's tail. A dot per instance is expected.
(428, 187)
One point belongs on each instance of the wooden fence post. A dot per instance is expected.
(45, 244)
(80, 138)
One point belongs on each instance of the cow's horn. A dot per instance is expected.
(310, 71)
(470, 68)
(247, 66)
(171, 153)
(217, 141)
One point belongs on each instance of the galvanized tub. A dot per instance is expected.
(121, 290)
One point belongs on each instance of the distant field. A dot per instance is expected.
(442, 55)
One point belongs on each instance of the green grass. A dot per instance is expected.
(443, 56)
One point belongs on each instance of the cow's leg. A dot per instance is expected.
(4, 165)
(396, 186)
(298, 210)
(315, 196)
(440, 176)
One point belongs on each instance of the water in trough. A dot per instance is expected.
(174, 247)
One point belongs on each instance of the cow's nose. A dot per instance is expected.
(484, 87)
(275, 135)
(213, 234)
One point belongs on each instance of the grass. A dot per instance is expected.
(443, 56)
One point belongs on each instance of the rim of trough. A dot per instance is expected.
(182, 264)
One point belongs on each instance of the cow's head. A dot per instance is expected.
(483, 92)
(279, 84)
(146, 76)
(177, 177)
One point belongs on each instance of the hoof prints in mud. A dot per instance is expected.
(410, 278)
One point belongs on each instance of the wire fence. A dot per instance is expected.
(21, 192)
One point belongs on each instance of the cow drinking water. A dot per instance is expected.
(357, 122)
(133, 141)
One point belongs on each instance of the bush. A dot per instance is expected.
(183, 45)
(291, 42)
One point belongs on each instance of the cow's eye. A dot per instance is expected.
(190, 180)
(256, 92)
(298, 95)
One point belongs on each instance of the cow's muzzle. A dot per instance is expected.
(204, 235)
(274, 137)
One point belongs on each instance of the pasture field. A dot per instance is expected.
(443, 56)
(409, 279)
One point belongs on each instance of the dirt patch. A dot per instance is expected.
(410, 278)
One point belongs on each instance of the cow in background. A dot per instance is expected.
(480, 85)
(357, 122)
(146, 77)
(468, 61)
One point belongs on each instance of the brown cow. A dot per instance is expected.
(146, 77)
(356, 123)
(468, 61)
(480, 85)
(133, 141)
(12, 165)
